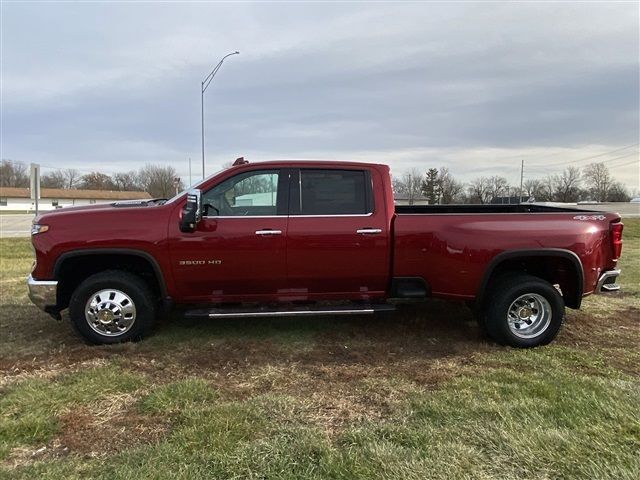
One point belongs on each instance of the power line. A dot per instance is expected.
(624, 164)
(606, 161)
(590, 157)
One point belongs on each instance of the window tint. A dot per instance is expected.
(245, 194)
(334, 192)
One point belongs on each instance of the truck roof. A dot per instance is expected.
(306, 162)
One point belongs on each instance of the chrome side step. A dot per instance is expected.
(289, 311)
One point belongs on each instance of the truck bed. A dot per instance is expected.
(488, 208)
(450, 246)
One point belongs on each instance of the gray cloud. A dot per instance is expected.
(471, 86)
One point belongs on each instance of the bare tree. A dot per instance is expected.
(55, 179)
(72, 176)
(96, 181)
(159, 181)
(13, 174)
(126, 181)
(409, 185)
(498, 187)
(534, 188)
(617, 193)
(549, 185)
(479, 190)
(567, 185)
(598, 180)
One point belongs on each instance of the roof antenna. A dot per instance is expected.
(240, 161)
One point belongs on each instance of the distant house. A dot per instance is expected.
(19, 199)
(404, 199)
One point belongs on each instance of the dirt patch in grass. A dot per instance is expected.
(90, 435)
(614, 329)
(64, 361)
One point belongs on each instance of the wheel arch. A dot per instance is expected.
(556, 265)
(71, 268)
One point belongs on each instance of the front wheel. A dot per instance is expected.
(112, 307)
(523, 311)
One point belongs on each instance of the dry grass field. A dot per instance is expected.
(411, 395)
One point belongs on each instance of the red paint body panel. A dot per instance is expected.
(319, 257)
(452, 251)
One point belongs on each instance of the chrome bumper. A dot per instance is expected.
(43, 293)
(607, 282)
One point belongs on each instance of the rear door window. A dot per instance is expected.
(333, 192)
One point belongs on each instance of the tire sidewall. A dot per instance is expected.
(496, 320)
(128, 283)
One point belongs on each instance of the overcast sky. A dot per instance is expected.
(474, 87)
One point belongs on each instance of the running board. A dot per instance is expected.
(289, 311)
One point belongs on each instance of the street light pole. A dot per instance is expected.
(203, 87)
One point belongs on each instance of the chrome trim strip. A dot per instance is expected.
(43, 293)
(246, 216)
(293, 216)
(291, 313)
(369, 231)
(331, 216)
(268, 232)
(490, 213)
(602, 287)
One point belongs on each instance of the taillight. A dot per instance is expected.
(616, 239)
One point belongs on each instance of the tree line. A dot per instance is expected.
(158, 181)
(438, 186)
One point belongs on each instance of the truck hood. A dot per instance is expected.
(102, 207)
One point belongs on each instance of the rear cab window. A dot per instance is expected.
(331, 192)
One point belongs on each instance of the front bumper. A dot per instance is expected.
(607, 282)
(43, 293)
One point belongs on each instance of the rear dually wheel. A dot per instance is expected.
(523, 311)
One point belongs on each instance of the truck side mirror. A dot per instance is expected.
(192, 211)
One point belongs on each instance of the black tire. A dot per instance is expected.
(524, 288)
(133, 287)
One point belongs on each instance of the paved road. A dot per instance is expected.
(626, 210)
(20, 225)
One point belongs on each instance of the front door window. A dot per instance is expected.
(247, 194)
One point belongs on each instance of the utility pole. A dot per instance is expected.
(203, 87)
(521, 179)
(190, 181)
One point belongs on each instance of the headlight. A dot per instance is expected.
(37, 228)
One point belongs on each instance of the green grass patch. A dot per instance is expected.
(30, 409)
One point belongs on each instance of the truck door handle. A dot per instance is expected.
(369, 231)
(268, 232)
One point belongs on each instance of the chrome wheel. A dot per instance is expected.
(529, 315)
(110, 312)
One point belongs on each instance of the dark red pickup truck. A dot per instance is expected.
(299, 238)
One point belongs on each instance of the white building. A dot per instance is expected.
(19, 199)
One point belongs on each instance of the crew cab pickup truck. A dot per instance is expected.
(300, 238)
